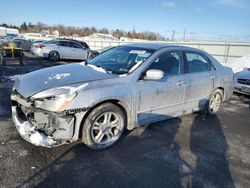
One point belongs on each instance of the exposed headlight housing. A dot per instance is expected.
(55, 100)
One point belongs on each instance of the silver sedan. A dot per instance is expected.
(242, 82)
(123, 88)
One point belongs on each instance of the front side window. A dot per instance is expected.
(197, 62)
(84, 45)
(64, 43)
(75, 45)
(168, 62)
(121, 59)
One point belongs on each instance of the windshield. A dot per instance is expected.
(121, 60)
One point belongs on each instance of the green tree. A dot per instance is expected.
(23, 27)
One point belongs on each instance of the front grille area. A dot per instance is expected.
(244, 81)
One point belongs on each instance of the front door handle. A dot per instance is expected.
(212, 77)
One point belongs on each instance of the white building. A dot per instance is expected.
(8, 31)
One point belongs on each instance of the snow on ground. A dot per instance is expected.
(240, 63)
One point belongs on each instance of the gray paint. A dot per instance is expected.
(145, 101)
(57, 76)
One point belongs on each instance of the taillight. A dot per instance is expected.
(39, 46)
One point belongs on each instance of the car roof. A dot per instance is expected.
(157, 46)
(72, 40)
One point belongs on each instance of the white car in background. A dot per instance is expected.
(58, 49)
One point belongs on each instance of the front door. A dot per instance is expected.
(64, 49)
(162, 99)
(78, 51)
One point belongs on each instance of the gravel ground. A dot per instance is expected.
(190, 151)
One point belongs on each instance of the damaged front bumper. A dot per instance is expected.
(28, 132)
(40, 127)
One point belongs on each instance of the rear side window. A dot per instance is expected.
(64, 43)
(196, 62)
(75, 45)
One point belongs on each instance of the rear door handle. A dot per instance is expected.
(212, 77)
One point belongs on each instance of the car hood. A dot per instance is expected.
(57, 76)
(243, 74)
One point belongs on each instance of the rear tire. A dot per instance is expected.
(54, 56)
(214, 102)
(103, 127)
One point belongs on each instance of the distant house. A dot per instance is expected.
(100, 37)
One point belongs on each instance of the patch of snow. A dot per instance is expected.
(122, 75)
(58, 76)
(41, 140)
(240, 64)
(10, 78)
(100, 69)
(83, 63)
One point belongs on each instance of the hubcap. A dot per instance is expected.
(106, 128)
(215, 102)
(54, 56)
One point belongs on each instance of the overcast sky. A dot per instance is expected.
(202, 19)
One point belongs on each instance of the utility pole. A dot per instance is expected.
(133, 29)
(184, 35)
(173, 33)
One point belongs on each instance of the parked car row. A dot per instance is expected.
(55, 49)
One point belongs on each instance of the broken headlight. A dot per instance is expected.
(56, 102)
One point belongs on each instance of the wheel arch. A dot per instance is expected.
(222, 89)
(56, 52)
(119, 103)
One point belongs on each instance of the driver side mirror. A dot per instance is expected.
(154, 74)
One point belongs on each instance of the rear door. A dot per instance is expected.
(78, 51)
(65, 50)
(200, 76)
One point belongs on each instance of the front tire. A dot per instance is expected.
(92, 55)
(54, 56)
(103, 126)
(214, 102)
